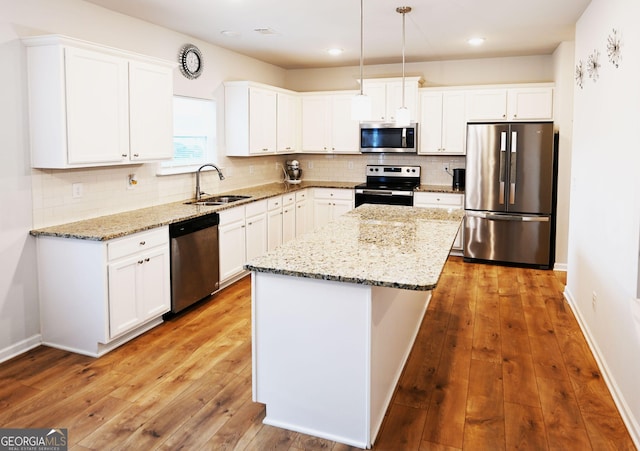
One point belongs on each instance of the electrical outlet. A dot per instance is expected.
(250, 169)
(310, 164)
(76, 190)
(594, 300)
(350, 165)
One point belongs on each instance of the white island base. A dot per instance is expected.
(327, 355)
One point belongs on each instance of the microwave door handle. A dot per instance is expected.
(404, 137)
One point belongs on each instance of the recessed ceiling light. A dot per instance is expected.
(475, 41)
(229, 33)
(266, 31)
(335, 51)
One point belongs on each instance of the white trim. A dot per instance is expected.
(560, 267)
(20, 347)
(618, 398)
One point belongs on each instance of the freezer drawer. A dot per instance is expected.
(508, 238)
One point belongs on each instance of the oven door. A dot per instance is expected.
(385, 197)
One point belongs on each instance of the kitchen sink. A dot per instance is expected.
(217, 200)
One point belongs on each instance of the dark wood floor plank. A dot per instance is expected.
(524, 428)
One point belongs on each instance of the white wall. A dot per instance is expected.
(19, 317)
(605, 201)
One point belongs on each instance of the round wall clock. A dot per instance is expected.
(190, 60)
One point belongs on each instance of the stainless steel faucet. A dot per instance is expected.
(199, 193)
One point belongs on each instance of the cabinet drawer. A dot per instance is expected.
(122, 247)
(274, 203)
(288, 199)
(301, 195)
(327, 193)
(231, 215)
(438, 200)
(255, 208)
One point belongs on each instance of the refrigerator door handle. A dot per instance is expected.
(503, 217)
(503, 169)
(513, 172)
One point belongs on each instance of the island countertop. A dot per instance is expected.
(380, 245)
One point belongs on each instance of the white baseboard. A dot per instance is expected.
(625, 412)
(560, 267)
(20, 347)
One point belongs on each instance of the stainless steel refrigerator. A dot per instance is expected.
(510, 193)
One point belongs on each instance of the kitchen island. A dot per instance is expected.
(335, 314)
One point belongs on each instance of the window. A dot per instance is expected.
(194, 135)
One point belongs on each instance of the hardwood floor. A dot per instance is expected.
(499, 363)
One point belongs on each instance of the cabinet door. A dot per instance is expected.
(322, 212)
(288, 123)
(454, 123)
(430, 123)
(377, 91)
(232, 249)
(256, 236)
(288, 222)
(123, 311)
(344, 130)
(97, 103)
(303, 218)
(341, 207)
(316, 117)
(528, 104)
(274, 228)
(262, 121)
(154, 297)
(487, 105)
(150, 111)
(395, 99)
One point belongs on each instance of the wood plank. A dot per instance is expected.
(524, 427)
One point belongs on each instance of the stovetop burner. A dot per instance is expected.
(398, 178)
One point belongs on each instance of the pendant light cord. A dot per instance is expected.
(362, 46)
(403, 38)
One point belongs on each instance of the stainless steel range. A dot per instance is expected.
(390, 185)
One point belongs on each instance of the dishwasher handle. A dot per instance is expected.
(182, 228)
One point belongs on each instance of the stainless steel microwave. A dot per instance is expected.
(388, 137)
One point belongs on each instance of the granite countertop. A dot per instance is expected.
(108, 227)
(117, 225)
(437, 189)
(381, 245)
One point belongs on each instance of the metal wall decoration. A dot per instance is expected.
(613, 48)
(593, 65)
(580, 74)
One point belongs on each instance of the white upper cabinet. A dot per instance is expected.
(91, 105)
(327, 126)
(386, 97)
(442, 123)
(250, 119)
(288, 123)
(510, 104)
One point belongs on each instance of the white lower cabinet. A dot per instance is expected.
(274, 222)
(330, 203)
(288, 217)
(443, 200)
(96, 295)
(242, 236)
(304, 213)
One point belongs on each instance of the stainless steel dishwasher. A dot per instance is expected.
(195, 267)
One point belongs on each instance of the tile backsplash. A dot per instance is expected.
(105, 190)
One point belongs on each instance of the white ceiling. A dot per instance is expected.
(305, 29)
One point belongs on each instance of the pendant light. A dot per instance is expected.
(403, 116)
(361, 103)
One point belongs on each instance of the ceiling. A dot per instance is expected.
(299, 32)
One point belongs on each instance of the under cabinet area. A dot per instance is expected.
(443, 200)
(96, 295)
(92, 105)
